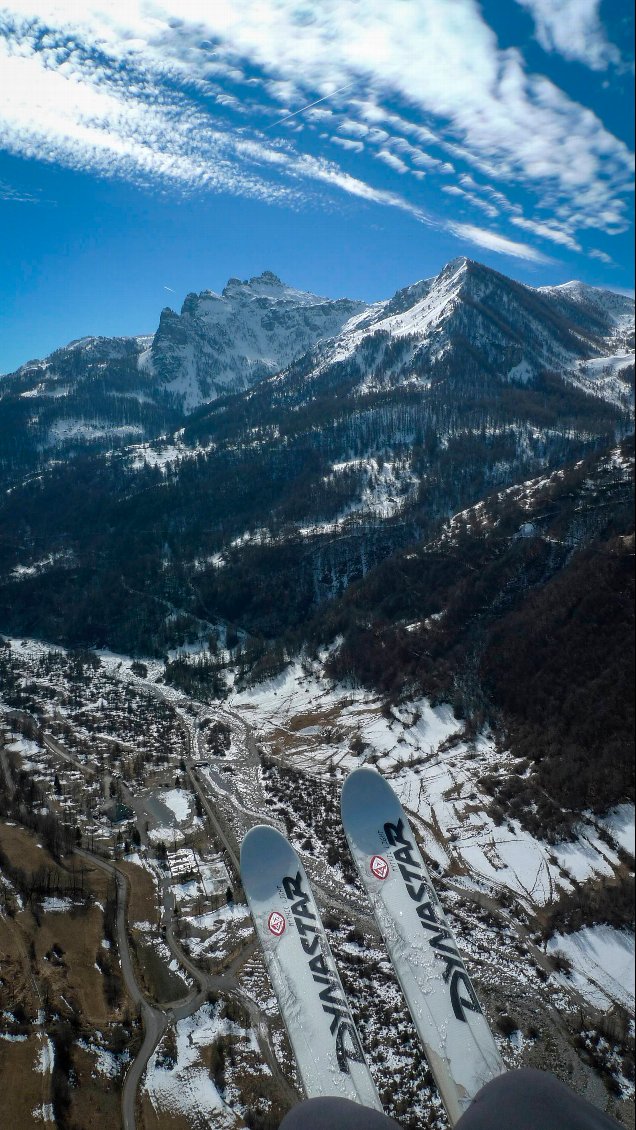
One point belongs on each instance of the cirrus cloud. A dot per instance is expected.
(230, 97)
(482, 237)
(573, 28)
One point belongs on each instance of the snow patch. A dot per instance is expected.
(46, 1057)
(68, 430)
(43, 1113)
(603, 963)
(179, 802)
(53, 905)
(187, 1087)
(620, 824)
(522, 372)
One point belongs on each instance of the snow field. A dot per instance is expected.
(436, 775)
(106, 1062)
(70, 429)
(43, 1113)
(46, 1055)
(603, 964)
(180, 802)
(218, 931)
(54, 905)
(187, 1087)
(620, 824)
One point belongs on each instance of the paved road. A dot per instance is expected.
(227, 984)
(154, 1020)
(219, 829)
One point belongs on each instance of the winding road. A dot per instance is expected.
(156, 1017)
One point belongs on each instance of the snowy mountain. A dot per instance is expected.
(262, 505)
(97, 393)
(254, 329)
(469, 324)
(513, 331)
(606, 307)
(88, 395)
(222, 343)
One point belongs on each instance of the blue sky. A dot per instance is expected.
(154, 147)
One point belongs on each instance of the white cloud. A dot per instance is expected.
(89, 120)
(547, 231)
(348, 143)
(392, 160)
(573, 28)
(498, 243)
(110, 85)
(16, 195)
(483, 205)
(59, 116)
(472, 198)
(353, 128)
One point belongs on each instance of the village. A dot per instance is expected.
(127, 953)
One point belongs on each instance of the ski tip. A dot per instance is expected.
(265, 851)
(362, 786)
(367, 800)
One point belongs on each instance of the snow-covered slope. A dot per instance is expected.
(100, 392)
(50, 376)
(225, 342)
(606, 306)
(87, 394)
(469, 323)
(438, 774)
(510, 331)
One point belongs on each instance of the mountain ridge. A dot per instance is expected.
(372, 437)
(273, 507)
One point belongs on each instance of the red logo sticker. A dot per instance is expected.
(276, 923)
(379, 867)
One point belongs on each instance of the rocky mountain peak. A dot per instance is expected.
(266, 285)
(226, 342)
(460, 264)
(267, 277)
(470, 316)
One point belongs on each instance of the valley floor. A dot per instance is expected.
(159, 789)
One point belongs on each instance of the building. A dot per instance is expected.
(119, 813)
(183, 864)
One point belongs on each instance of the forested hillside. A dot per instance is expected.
(443, 488)
(521, 612)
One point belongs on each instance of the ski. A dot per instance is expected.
(459, 1045)
(302, 970)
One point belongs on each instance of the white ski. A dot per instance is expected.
(459, 1045)
(302, 970)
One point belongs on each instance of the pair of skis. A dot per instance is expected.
(456, 1037)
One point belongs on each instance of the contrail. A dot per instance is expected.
(310, 104)
(168, 288)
